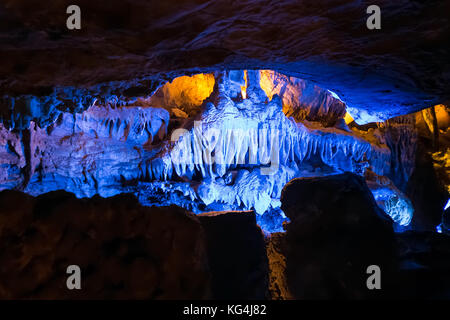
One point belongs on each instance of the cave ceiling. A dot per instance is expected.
(131, 47)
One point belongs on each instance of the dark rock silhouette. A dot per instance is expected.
(124, 250)
(336, 232)
(237, 255)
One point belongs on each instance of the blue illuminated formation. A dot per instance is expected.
(256, 131)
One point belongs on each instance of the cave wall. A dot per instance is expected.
(113, 108)
(235, 150)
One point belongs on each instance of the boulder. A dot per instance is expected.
(336, 232)
(123, 250)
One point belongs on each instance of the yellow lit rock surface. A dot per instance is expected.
(185, 93)
(442, 166)
(442, 116)
(244, 87)
(348, 118)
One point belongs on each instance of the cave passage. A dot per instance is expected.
(216, 141)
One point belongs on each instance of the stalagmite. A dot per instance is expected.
(238, 152)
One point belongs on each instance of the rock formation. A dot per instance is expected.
(336, 232)
(234, 150)
(132, 47)
(218, 106)
(124, 250)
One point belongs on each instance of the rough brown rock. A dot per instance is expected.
(276, 254)
(124, 250)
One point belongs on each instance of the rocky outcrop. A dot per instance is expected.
(426, 190)
(87, 153)
(401, 136)
(183, 96)
(429, 184)
(243, 148)
(336, 232)
(303, 100)
(389, 198)
(237, 255)
(276, 254)
(124, 250)
(283, 89)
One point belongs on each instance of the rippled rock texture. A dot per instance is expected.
(128, 48)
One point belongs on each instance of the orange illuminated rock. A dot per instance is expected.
(184, 93)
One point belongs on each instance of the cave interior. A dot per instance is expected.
(229, 151)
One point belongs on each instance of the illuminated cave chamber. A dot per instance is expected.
(227, 140)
